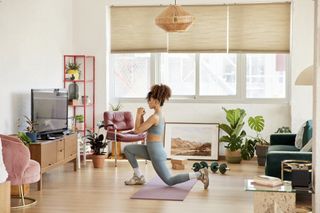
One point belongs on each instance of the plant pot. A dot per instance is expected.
(233, 156)
(98, 161)
(32, 136)
(261, 151)
(74, 73)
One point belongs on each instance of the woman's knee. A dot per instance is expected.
(127, 149)
(168, 181)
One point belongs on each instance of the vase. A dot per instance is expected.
(73, 91)
(32, 136)
(85, 100)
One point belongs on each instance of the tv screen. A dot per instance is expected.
(49, 109)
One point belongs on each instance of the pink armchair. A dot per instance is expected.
(119, 126)
(21, 169)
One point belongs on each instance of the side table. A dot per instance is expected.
(272, 199)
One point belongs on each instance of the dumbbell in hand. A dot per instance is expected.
(223, 168)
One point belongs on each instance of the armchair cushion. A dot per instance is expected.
(16, 158)
(126, 136)
(3, 173)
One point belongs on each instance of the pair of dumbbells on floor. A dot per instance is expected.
(214, 167)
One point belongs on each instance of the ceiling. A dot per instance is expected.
(187, 2)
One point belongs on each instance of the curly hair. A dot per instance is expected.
(159, 92)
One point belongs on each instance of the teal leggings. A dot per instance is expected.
(154, 151)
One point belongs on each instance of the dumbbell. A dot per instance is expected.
(197, 166)
(223, 168)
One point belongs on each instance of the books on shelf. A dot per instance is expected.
(265, 180)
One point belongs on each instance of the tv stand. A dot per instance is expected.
(53, 153)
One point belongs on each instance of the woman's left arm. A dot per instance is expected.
(146, 125)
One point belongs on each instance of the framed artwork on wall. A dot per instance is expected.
(192, 140)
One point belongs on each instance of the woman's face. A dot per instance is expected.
(153, 103)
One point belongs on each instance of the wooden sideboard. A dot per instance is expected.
(53, 153)
(5, 197)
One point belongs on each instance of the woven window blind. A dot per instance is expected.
(207, 34)
(133, 30)
(259, 28)
(252, 28)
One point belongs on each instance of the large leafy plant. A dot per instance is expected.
(257, 124)
(233, 129)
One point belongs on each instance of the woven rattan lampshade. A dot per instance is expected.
(174, 19)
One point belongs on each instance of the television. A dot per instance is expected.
(49, 110)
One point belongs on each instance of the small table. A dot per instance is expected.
(272, 199)
(304, 179)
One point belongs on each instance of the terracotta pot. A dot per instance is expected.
(98, 161)
(261, 151)
(233, 156)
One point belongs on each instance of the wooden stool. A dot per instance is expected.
(178, 163)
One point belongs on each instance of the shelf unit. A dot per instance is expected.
(86, 85)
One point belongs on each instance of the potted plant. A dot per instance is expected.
(284, 129)
(73, 70)
(234, 134)
(79, 122)
(24, 138)
(30, 129)
(257, 124)
(116, 107)
(98, 144)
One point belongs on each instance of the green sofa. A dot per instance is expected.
(282, 147)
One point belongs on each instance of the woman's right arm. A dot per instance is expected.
(139, 117)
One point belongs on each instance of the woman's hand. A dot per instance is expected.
(140, 111)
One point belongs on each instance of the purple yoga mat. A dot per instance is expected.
(156, 189)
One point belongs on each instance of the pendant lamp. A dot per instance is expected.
(174, 19)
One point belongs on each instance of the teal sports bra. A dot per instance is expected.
(157, 129)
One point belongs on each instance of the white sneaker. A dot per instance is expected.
(204, 177)
(135, 180)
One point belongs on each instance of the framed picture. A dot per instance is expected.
(192, 140)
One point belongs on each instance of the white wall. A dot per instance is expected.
(90, 35)
(301, 58)
(90, 39)
(34, 35)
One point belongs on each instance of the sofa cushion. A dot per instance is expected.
(303, 135)
(3, 173)
(282, 148)
(307, 134)
(307, 147)
(299, 136)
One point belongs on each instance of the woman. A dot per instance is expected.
(153, 150)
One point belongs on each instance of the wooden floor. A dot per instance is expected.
(102, 190)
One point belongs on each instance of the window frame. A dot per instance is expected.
(240, 97)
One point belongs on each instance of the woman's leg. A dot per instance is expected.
(131, 151)
(159, 158)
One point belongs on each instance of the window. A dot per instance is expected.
(266, 76)
(218, 74)
(131, 74)
(178, 70)
(201, 76)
